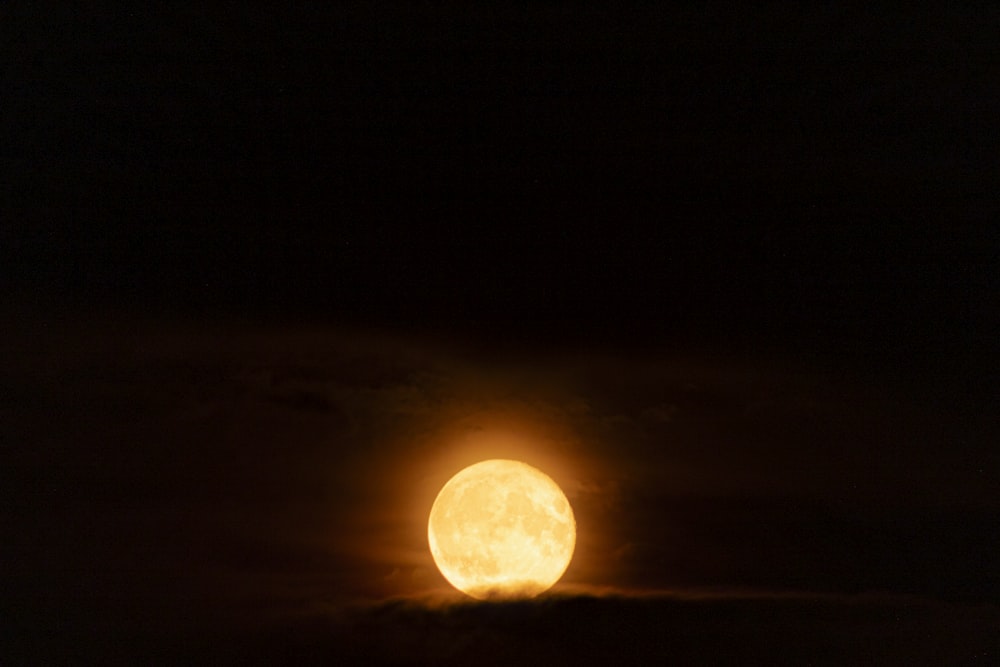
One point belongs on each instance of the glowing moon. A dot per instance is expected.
(501, 529)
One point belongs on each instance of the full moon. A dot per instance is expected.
(501, 529)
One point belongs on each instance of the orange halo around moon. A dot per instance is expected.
(501, 529)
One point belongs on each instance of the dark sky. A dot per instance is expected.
(271, 276)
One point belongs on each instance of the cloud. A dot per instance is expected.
(653, 627)
(276, 469)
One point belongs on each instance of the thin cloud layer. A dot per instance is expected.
(619, 627)
(221, 474)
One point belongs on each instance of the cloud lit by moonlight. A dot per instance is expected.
(501, 529)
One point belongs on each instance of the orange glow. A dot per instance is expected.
(501, 529)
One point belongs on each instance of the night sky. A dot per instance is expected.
(270, 276)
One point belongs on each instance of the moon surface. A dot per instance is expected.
(501, 529)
